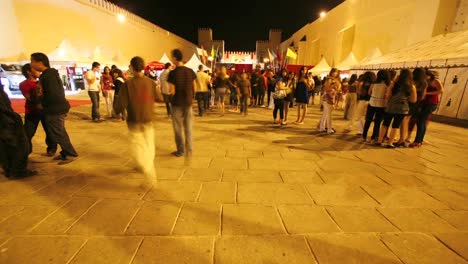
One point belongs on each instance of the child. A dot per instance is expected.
(328, 102)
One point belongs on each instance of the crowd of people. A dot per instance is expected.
(393, 102)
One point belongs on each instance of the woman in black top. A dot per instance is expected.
(118, 83)
(222, 84)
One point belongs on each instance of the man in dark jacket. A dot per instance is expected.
(14, 146)
(50, 90)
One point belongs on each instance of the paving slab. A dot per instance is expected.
(250, 219)
(198, 219)
(204, 174)
(449, 197)
(229, 163)
(111, 250)
(107, 217)
(416, 220)
(169, 173)
(8, 211)
(400, 179)
(177, 163)
(355, 219)
(218, 192)
(303, 219)
(154, 218)
(402, 197)
(350, 248)
(301, 177)
(174, 191)
(351, 178)
(163, 250)
(456, 241)
(23, 221)
(458, 219)
(285, 165)
(414, 248)
(59, 221)
(251, 176)
(65, 186)
(272, 193)
(263, 249)
(40, 250)
(340, 195)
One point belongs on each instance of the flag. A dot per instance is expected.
(199, 51)
(291, 54)
(274, 54)
(212, 52)
(270, 56)
(279, 54)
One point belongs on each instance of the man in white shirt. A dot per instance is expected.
(93, 85)
(202, 93)
(165, 88)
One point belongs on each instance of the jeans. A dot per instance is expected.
(376, 114)
(426, 111)
(31, 121)
(326, 119)
(203, 101)
(167, 101)
(94, 96)
(142, 147)
(243, 104)
(182, 119)
(109, 98)
(58, 133)
(279, 105)
(261, 96)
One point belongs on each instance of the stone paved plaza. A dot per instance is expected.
(253, 192)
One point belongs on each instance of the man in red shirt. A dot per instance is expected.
(33, 109)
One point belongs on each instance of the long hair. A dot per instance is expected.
(419, 78)
(353, 79)
(383, 77)
(404, 82)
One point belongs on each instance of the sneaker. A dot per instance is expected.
(58, 157)
(177, 154)
(50, 153)
(415, 145)
(67, 160)
(390, 146)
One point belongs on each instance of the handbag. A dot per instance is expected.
(279, 94)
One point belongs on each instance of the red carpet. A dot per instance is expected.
(18, 104)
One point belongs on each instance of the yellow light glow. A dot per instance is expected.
(210, 58)
(266, 60)
(121, 18)
(323, 14)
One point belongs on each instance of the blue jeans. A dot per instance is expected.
(94, 96)
(58, 133)
(182, 119)
(426, 111)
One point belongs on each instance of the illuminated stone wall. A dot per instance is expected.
(88, 25)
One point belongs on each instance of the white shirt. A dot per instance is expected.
(93, 86)
(203, 80)
(163, 79)
(378, 95)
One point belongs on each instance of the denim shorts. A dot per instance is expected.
(219, 94)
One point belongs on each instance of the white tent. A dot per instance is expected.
(64, 52)
(194, 62)
(321, 67)
(164, 59)
(348, 63)
(373, 54)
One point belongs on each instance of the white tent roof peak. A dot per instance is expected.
(321, 67)
(193, 63)
(164, 59)
(348, 62)
(374, 53)
(64, 52)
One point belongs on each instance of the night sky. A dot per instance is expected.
(240, 23)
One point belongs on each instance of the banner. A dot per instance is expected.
(454, 86)
(291, 54)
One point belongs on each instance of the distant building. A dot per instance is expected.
(273, 43)
(205, 41)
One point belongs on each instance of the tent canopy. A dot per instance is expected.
(194, 62)
(321, 67)
(64, 52)
(373, 54)
(452, 47)
(164, 59)
(348, 63)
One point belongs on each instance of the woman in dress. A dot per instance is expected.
(302, 96)
(107, 85)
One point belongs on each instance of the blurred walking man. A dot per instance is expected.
(182, 82)
(137, 96)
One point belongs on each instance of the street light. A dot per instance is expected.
(265, 60)
(323, 14)
(121, 18)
